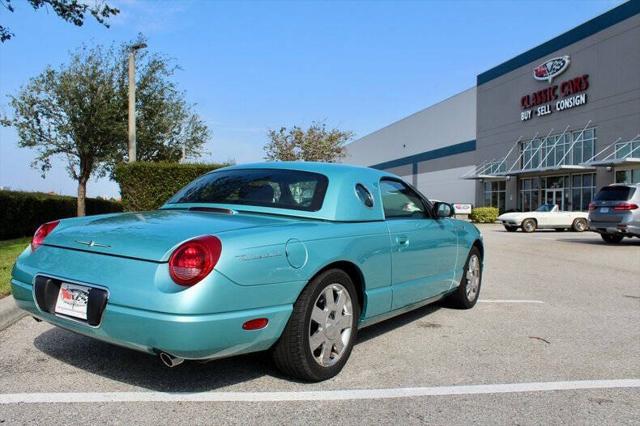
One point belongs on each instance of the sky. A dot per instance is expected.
(253, 66)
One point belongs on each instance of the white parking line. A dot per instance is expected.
(337, 395)
(508, 301)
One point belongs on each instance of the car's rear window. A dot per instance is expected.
(284, 189)
(615, 193)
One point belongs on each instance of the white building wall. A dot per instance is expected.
(446, 185)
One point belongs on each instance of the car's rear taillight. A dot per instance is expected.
(592, 206)
(42, 232)
(194, 260)
(625, 206)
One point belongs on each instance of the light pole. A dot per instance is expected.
(132, 99)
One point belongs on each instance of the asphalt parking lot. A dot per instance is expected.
(555, 307)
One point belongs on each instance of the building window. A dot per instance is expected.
(627, 149)
(531, 154)
(582, 191)
(584, 146)
(628, 176)
(529, 194)
(494, 167)
(556, 150)
(495, 194)
(573, 193)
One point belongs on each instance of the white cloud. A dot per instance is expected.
(148, 16)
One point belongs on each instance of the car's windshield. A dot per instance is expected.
(285, 189)
(545, 208)
(615, 193)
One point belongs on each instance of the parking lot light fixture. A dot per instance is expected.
(132, 99)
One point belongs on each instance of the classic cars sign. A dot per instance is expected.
(558, 97)
(552, 68)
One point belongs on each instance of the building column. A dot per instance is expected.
(604, 177)
(511, 201)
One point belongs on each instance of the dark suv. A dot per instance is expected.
(615, 212)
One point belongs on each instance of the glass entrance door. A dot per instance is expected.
(555, 196)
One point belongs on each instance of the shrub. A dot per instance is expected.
(22, 212)
(484, 214)
(147, 186)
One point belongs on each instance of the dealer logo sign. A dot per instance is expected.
(551, 68)
(563, 96)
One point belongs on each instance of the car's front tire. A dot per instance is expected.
(319, 337)
(529, 225)
(611, 238)
(467, 293)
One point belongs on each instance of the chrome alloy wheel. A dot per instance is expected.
(331, 325)
(473, 278)
(580, 225)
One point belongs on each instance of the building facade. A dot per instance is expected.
(551, 125)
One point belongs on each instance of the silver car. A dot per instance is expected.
(615, 212)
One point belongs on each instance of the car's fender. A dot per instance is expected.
(517, 218)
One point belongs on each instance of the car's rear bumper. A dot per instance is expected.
(201, 336)
(630, 229)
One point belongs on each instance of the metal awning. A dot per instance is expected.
(615, 154)
(499, 169)
(486, 177)
(617, 162)
(538, 170)
(622, 154)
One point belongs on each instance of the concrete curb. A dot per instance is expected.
(9, 312)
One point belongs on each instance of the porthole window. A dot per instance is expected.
(364, 195)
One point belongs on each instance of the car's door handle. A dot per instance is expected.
(402, 240)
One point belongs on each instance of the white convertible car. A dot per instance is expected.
(547, 216)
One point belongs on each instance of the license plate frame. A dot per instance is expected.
(604, 209)
(73, 300)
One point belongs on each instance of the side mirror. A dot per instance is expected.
(443, 209)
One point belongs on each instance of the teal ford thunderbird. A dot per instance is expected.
(292, 258)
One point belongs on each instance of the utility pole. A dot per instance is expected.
(132, 99)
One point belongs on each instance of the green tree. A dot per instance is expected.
(79, 113)
(317, 143)
(72, 11)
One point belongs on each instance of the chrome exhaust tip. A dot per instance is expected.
(170, 360)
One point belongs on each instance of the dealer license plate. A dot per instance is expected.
(604, 209)
(72, 300)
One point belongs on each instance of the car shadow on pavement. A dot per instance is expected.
(146, 371)
(391, 324)
(598, 242)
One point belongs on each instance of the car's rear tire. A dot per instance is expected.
(529, 225)
(467, 293)
(510, 228)
(611, 238)
(580, 225)
(325, 316)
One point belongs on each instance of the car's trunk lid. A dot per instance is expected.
(150, 235)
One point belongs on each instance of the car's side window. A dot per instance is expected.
(400, 201)
(364, 195)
